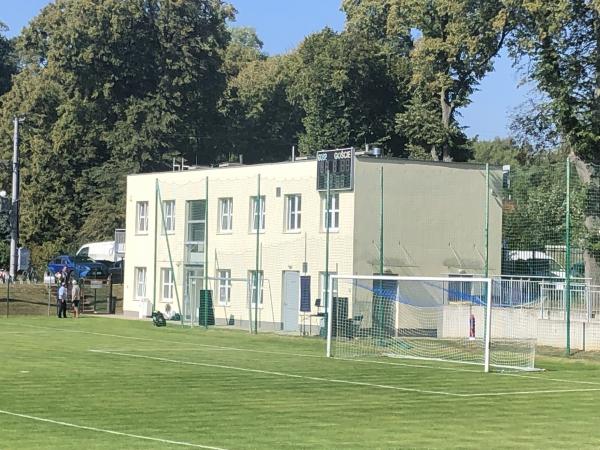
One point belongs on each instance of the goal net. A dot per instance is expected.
(445, 319)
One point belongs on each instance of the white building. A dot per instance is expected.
(434, 224)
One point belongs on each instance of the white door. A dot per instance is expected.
(291, 300)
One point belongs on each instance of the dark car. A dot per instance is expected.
(79, 266)
(116, 271)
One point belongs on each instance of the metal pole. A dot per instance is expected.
(327, 226)
(488, 328)
(568, 259)
(381, 224)
(258, 208)
(14, 214)
(155, 243)
(487, 221)
(206, 254)
(7, 297)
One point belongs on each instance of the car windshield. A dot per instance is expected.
(82, 259)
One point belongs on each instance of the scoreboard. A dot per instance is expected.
(340, 164)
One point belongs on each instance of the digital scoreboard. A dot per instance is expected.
(340, 165)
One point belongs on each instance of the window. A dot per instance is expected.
(168, 217)
(195, 228)
(294, 212)
(257, 214)
(141, 224)
(224, 277)
(254, 281)
(331, 218)
(140, 283)
(168, 284)
(333, 288)
(225, 214)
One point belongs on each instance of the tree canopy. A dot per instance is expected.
(114, 87)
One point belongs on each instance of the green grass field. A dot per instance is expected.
(97, 383)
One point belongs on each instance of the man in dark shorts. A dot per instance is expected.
(75, 298)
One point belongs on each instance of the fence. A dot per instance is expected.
(28, 298)
(550, 245)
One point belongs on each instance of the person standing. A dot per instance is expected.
(62, 301)
(75, 298)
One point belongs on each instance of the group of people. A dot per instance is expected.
(64, 280)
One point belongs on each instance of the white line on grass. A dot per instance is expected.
(305, 355)
(102, 430)
(334, 380)
(280, 374)
(549, 391)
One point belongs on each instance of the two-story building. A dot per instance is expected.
(262, 237)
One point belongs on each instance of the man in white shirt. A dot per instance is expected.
(62, 301)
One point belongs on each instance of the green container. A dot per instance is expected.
(206, 313)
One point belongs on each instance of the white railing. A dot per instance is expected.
(548, 296)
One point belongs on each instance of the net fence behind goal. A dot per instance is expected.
(444, 319)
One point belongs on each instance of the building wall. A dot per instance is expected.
(434, 218)
(279, 249)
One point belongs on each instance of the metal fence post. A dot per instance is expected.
(567, 292)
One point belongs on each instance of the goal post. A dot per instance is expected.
(451, 319)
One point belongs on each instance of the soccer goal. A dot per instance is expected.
(444, 319)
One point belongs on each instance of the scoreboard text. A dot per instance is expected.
(340, 164)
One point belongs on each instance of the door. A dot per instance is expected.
(191, 297)
(291, 300)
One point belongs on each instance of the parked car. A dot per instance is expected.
(79, 266)
(116, 271)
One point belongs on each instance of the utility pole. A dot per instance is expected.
(14, 213)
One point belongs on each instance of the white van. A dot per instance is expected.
(104, 251)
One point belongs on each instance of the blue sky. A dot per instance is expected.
(282, 24)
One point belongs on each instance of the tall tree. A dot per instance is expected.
(346, 88)
(109, 88)
(455, 42)
(261, 123)
(8, 63)
(561, 43)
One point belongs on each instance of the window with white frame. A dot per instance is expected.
(168, 284)
(195, 231)
(140, 283)
(293, 212)
(169, 216)
(254, 282)
(224, 278)
(257, 213)
(331, 216)
(225, 214)
(333, 288)
(141, 215)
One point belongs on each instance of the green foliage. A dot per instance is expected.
(559, 44)
(499, 152)
(451, 44)
(260, 121)
(8, 61)
(344, 86)
(108, 89)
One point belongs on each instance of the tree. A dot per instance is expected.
(561, 44)
(8, 64)
(260, 121)
(110, 88)
(453, 46)
(499, 152)
(345, 87)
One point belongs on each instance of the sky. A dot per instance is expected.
(282, 24)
